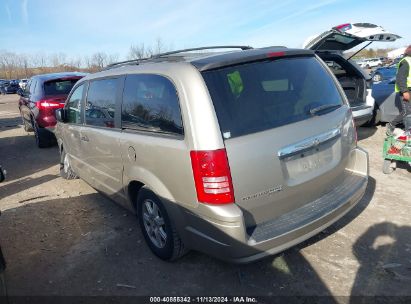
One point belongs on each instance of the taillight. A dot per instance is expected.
(212, 177)
(44, 104)
(343, 27)
(275, 54)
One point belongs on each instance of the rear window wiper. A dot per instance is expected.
(329, 107)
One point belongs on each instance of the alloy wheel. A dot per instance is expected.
(154, 223)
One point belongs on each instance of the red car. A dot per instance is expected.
(38, 102)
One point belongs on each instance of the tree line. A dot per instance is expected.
(372, 53)
(20, 65)
(17, 66)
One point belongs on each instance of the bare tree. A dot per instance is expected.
(99, 59)
(112, 58)
(137, 52)
(140, 51)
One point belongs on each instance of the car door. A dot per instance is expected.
(24, 103)
(72, 128)
(346, 36)
(387, 100)
(99, 137)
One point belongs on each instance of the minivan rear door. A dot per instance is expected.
(99, 136)
(284, 123)
(346, 36)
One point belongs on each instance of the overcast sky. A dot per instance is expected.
(82, 27)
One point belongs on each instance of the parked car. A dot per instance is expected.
(9, 87)
(22, 83)
(239, 154)
(372, 63)
(43, 95)
(357, 85)
(387, 101)
(384, 73)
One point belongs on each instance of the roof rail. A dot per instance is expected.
(136, 61)
(156, 56)
(242, 47)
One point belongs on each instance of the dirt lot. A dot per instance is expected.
(63, 238)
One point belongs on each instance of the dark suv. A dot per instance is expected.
(42, 96)
(9, 87)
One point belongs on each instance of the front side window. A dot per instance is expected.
(150, 103)
(74, 105)
(101, 102)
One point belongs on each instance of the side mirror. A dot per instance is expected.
(2, 174)
(20, 92)
(61, 115)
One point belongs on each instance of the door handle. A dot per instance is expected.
(84, 138)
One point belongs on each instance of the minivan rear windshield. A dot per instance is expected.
(59, 86)
(263, 95)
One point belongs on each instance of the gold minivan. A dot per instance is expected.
(238, 154)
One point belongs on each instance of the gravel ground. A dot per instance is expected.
(63, 238)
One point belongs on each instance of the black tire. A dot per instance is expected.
(66, 171)
(42, 140)
(26, 126)
(376, 118)
(173, 247)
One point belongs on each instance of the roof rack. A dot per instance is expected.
(136, 61)
(242, 47)
(157, 56)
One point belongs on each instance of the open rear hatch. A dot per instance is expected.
(347, 36)
(287, 133)
(354, 80)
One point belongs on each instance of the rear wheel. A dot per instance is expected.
(66, 171)
(26, 126)
(41, 140)
(159, 233)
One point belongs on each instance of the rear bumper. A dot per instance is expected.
(46, 121)
(230, 240)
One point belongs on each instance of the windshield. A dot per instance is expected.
(263, 95)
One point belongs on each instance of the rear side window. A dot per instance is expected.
(101, 102)
(59, 87)
(150, 103)
(33, 86)
(74, 105)
(259, 96)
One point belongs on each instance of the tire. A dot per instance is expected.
(26, 127)
(158, 231)
(66, 171)
(43, 137)
(388, 166)
(376, 118)
(377, 77)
